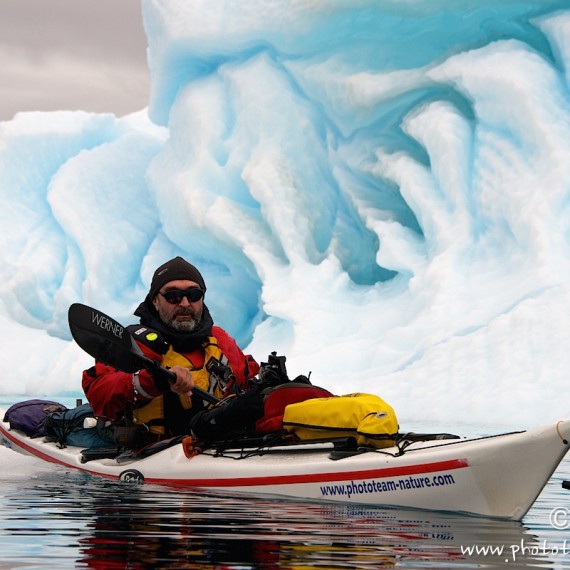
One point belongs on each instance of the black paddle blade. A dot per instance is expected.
(104, 338)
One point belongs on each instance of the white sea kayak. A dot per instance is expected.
(499, 476)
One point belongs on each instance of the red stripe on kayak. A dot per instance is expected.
(318, 477)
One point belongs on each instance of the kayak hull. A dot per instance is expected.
(490, 476)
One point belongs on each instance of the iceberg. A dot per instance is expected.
(378, 190)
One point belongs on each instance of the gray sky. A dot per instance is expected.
(85, 55)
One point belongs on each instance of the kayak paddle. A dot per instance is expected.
(105, 339)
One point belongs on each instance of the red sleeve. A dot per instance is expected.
(243, 366)
(110, 391)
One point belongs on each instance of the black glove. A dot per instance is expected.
(232, 417)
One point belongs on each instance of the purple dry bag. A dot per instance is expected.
(30, 416)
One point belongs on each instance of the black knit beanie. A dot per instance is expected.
(173, 270)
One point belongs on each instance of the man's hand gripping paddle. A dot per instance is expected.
(108, 341)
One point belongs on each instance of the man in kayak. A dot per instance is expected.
(176, 330)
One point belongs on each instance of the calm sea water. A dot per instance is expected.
(53, 518)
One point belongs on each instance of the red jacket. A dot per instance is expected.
(110, 392)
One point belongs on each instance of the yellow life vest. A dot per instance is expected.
(152, 414)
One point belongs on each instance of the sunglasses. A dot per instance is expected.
(175, 296)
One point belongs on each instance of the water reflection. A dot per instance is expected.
(69, 520)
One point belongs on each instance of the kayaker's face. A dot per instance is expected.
(182, 306)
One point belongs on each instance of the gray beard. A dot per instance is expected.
(181, 326)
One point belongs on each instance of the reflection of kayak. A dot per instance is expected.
(499, 476)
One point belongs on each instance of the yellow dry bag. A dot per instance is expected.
(367, 418)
